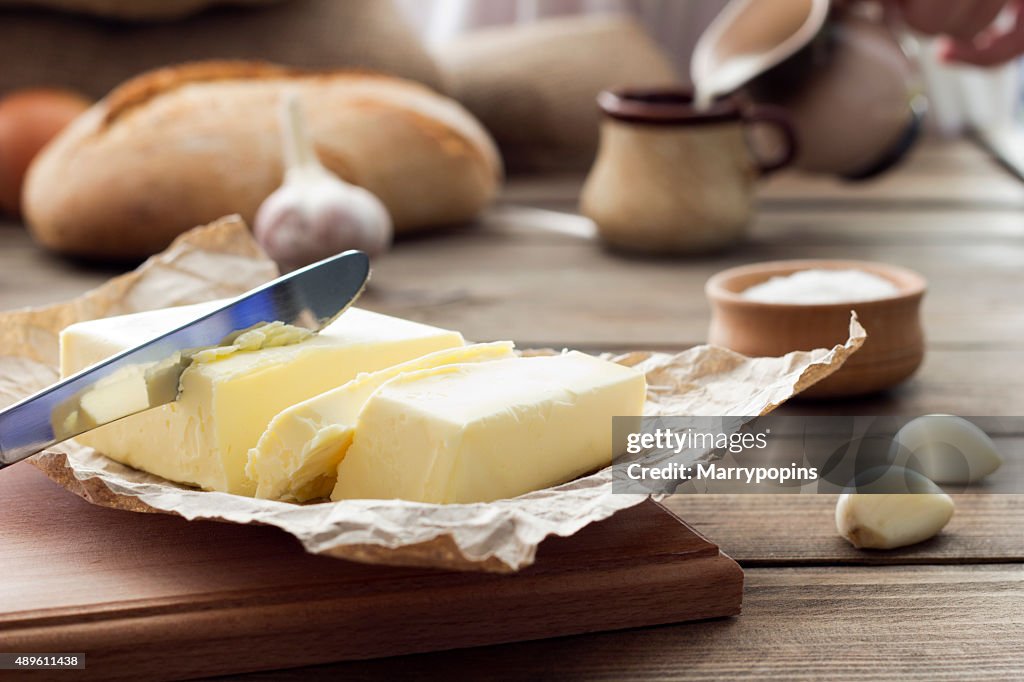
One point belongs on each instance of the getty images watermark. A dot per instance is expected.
(791, 454)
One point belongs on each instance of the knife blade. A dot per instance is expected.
(148, 375)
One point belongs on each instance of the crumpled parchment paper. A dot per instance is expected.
(222, 260)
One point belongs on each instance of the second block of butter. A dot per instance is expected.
(227, 400)
(485, 431)
(297, 457)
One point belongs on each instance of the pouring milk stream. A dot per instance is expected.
(746, 39)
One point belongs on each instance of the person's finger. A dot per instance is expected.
(971, 20)
(989, 49)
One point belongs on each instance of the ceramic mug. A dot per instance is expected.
(669, 179)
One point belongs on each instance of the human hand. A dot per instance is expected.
(966, 27)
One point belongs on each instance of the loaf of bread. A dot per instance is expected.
(182, 146)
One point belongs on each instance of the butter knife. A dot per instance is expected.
(148, 375)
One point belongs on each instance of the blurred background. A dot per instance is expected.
(850, 74)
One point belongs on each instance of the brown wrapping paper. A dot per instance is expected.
(221, 260)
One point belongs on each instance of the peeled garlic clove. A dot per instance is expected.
(888, 521)
(884, 520)
(946, 449)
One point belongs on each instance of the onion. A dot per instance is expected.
(28, 120)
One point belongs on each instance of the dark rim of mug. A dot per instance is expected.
(665, 106)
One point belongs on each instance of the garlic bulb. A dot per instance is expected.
(315, 214)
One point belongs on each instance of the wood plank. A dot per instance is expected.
(972, 382)
(606, 299)
(30, 276)
(970, 261)
(954, 174)
(883, 227)
(908, 191)
(819, 226)
(149, 596)
(950, 174)
(901, 190)
(846, 624)
(605, 302)
(784, 530)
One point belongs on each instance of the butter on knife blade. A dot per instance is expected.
(140, 387)
(317, 293)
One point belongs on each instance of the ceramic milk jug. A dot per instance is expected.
(837, 69)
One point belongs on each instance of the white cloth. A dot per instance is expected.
(961, 97)
(675, 24)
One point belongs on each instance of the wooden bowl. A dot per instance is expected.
(892, 352)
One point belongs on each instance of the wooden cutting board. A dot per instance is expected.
(149, 596)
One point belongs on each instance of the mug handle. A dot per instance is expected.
(778, 119)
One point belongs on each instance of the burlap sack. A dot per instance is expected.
(93, 55)
(132, 10)
(534, 86)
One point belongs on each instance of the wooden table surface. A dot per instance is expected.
(951, 608)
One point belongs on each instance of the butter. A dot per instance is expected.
(270, 335)
(230, 394)
(486, 431)
(297, 457)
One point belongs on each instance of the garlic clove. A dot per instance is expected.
(946, 449)
(887, 521)
(879, 518)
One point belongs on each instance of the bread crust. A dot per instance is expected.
(182, 146)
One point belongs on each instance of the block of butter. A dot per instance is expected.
(228, 396)
(297, 457)
(485, 431)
